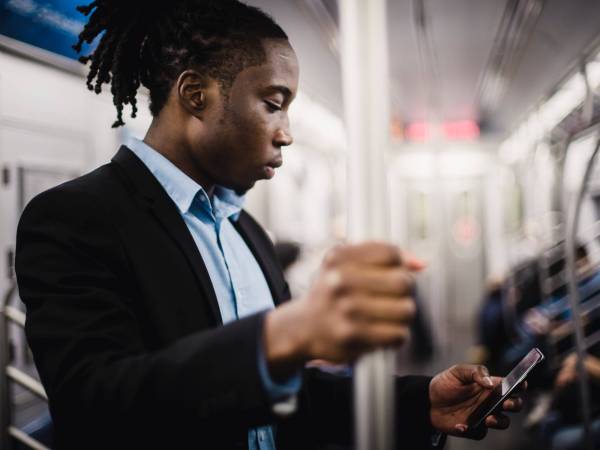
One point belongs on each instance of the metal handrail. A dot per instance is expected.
(590, 341)
(8, 432)
(5, 402)
(26, 439)
(566, 330)
(553, 253)
(27, 381)
(560, 279)
(15, 315)
(589, 302)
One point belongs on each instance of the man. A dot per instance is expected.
(150, 292)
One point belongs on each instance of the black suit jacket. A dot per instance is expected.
(126, 332)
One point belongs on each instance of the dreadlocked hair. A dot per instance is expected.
(151, 43)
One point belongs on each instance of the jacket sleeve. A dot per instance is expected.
(327, 410)
(83, 326)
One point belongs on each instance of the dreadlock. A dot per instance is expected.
(150, 43)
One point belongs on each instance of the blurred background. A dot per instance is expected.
(492, 111)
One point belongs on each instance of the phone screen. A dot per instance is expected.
(503, 390)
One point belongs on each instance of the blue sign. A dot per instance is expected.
(50, 25)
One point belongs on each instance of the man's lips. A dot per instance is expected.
(275, 163)
(271, 166)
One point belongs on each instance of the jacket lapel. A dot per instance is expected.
(245, 227)
(146, 186)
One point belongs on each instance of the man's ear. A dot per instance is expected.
(193, 92)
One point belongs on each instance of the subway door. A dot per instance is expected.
(415, 226)
(442, 222)
(464, 261)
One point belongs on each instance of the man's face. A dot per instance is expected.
(242, 140)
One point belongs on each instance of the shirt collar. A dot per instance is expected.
(181, 188)
(228, 202)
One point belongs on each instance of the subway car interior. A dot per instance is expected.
(466, 132)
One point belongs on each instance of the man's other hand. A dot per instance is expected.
(360, 300)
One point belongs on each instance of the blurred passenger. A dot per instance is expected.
(422, 346)
(527, 296)
(536, 322)
(529, 287)
(493, 338)
(562, 427)
(500, 339)
(547, 324)
(150, 292)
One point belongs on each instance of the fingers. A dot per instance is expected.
(496, 380)
(482, 377)
(372, 253)
(383, 335)
(367, 253)
(460, 428)
(469, 373)
(513, 404)
(381, 309)
(463, 430)
(497, 421)
(360, 301)
(393, 281)
(411, 262)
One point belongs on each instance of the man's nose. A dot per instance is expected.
(283, 137)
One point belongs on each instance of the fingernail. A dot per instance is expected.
(488, 381)
(461, 428)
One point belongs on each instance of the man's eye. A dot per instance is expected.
(272, 106)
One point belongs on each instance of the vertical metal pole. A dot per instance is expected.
(365, 77)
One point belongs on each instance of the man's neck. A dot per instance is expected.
(175, 150)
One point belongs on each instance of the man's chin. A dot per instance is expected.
(240, 188)
(242, 191)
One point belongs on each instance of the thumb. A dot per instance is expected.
(471, 373)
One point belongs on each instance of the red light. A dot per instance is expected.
(417, 131)
(397, 129)
(461, 130)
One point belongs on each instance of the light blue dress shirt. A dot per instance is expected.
(238, 281)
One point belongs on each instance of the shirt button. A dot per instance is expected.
(202, 199)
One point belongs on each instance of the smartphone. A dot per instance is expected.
(504, 389)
